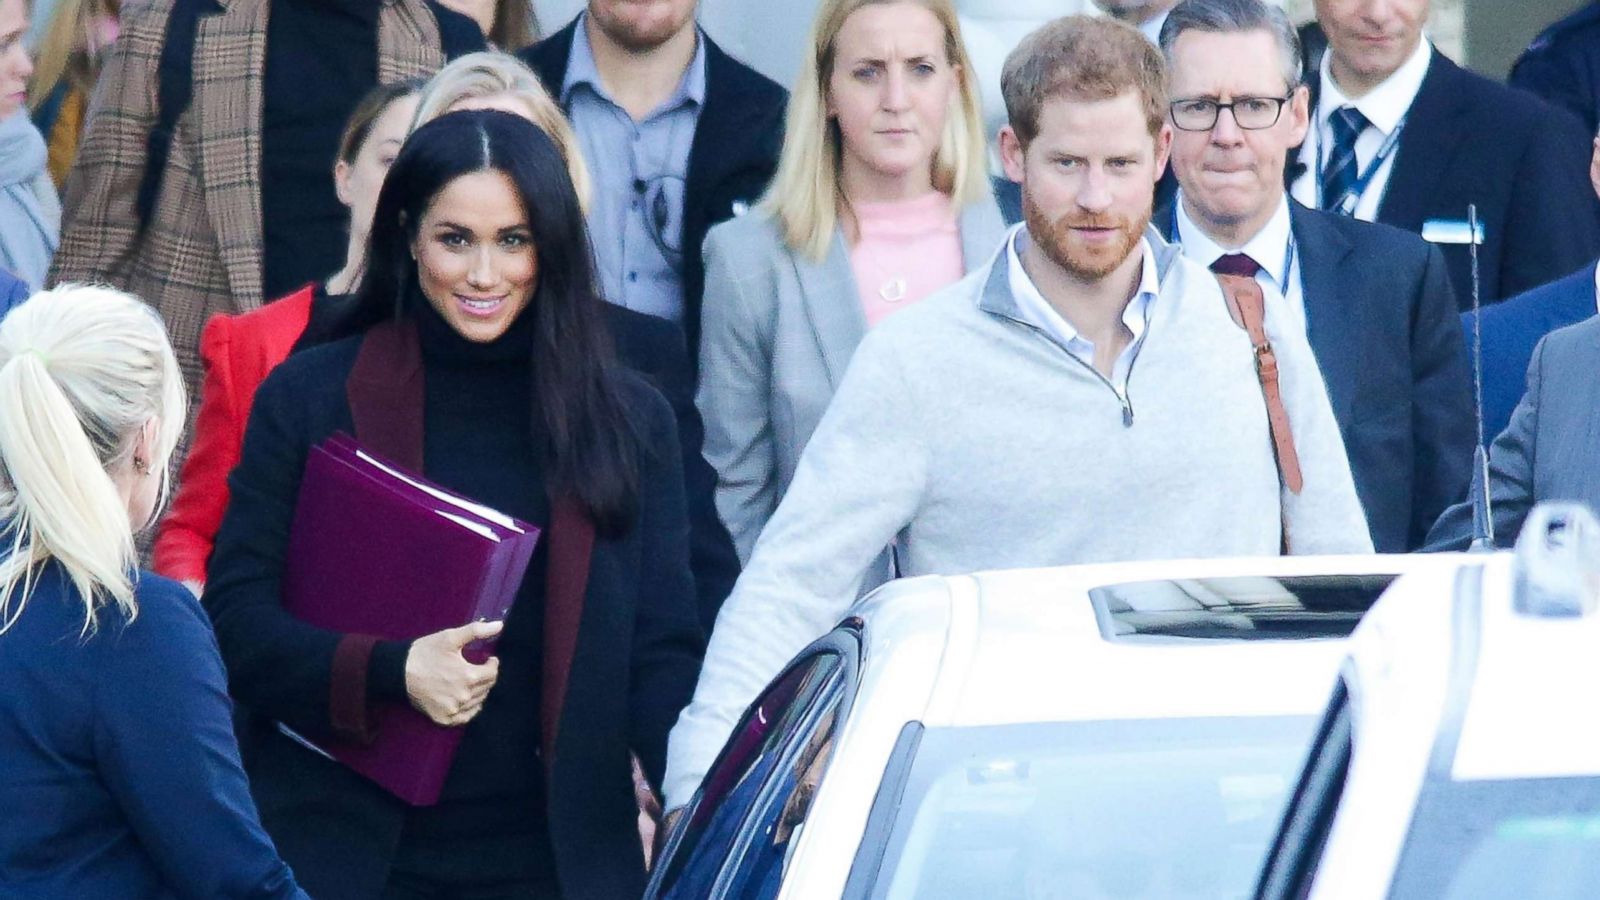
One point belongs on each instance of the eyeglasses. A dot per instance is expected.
(1249, 113)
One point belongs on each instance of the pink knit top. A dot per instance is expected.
(907, 250)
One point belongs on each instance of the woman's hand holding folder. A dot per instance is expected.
(441, 683)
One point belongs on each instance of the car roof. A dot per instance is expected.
(1526, 673)
(1031, 645)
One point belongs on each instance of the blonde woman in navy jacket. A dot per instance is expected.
(121, 777)
(881, 198)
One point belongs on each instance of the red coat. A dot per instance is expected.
(238, 352)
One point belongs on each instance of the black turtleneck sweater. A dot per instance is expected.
(479, 442)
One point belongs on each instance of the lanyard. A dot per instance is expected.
(1354, 193)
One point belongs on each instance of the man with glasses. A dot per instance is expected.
(1401, 135)
(1375, 301)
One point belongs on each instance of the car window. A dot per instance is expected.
(1302, 836)
(1172, 808)
(781, 719)
(773, 830)
(1235, 608)
(1477, 840)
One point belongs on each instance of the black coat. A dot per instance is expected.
(632, 649)
(1523, 162)
(732, 158)
(1562, 65)
(1381, 321)
(654, 347)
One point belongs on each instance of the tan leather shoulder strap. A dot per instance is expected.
(1247, 305)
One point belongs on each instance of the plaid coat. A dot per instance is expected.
(201, 252)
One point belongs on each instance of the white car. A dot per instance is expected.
(1099, 731)
(1459, 757)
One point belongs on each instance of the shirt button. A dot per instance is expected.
(633, 276)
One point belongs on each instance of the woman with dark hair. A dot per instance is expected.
(475, 353)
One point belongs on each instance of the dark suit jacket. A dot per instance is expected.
(621, 644)
(1548, 451)
(1381, 320)
(1562, 65)
(1523, 162)
(734, 154)
(1510, 331)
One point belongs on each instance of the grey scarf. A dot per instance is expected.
(30, 212)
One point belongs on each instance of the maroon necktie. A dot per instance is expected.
(1236, 264)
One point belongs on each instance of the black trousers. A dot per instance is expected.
(443, 863)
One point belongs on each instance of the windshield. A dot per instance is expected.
(1172, 808)
(1487, 840)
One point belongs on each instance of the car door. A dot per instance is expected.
(738, 831)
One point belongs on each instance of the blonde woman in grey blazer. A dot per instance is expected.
(874, 122)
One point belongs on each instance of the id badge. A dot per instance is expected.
(1451, 231)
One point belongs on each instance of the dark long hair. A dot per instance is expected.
(587, 439)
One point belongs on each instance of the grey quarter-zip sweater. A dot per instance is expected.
(982, 443)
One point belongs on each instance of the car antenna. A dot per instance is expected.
(1482, 504)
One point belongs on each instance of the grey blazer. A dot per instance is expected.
(1551, 448)
(777, 333)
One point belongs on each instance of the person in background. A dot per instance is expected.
(1375, 301)
(678, 135)
(478, 317)
(121, 771)
(509, 25)
(1512, 328)
(1562, 65)
(239, 351)
(1146, 15)
(1547, 452)
(881, 198)
(168, 202)
(1083, 397)
(1401, 135)
(30, 212)
(650, 345)
(70, 56)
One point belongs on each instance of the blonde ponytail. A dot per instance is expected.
(83, 369)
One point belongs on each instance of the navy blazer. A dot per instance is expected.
(1381, 320)
(1512, 329)
(1524, 163)
(733, 156)
(121, 777)
(1562, 65)
(1548, 451)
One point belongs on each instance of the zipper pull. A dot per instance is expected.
(1127, 413)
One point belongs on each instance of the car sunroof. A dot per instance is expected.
(1237, 608)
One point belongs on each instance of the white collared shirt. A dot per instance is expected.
(1040, 314)
(1385, 106)
(1272, 248)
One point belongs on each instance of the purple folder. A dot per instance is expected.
(379, 551)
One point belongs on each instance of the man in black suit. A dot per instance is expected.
(1375, 302)
(678, 136)
(1401, 135)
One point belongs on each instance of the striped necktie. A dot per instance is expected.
(1340, 170)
